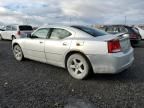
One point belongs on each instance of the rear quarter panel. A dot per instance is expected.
(89, 47)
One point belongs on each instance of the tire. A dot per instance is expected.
(1, 37)
(18, 54)
(78, 67)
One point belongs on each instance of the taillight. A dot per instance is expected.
(114, 46)
(18, 33)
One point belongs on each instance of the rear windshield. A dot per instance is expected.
(91, 31)
(25, 28)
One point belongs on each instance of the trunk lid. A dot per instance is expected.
(122, 37)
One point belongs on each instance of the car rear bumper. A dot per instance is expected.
(111, 63)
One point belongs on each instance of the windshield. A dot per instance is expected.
(25, 28)
(92, 31)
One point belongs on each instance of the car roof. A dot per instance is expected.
(49, 26)
(18, 25)
(63, 26)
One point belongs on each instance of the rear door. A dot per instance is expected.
(57, 45)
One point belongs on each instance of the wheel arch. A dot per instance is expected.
(14, 44)
(77, 52)
(13, 36)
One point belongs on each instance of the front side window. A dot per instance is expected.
(58, 33)
(41, 33)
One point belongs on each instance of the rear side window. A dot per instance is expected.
(58, 33)
(25, 28)
(91, 31)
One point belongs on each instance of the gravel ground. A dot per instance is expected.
(30, 84)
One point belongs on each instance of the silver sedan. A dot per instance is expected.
(79, 49)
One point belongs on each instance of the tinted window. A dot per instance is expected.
(25, 28)
(91, 31)
(41, 33)
(58, 33)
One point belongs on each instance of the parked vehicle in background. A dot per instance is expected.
(140, 30)
(34, 28)
(134, 35)
(80, 49)
(0, 33)
(15, 31)
(2, 30)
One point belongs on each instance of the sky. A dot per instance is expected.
(44, 12)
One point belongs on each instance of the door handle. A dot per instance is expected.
(64, 44)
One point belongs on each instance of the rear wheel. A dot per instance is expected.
(18, 53)
(77, 66)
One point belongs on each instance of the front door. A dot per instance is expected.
(34, 46)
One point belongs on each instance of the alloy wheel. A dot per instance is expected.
(77, 66)
(18, 53)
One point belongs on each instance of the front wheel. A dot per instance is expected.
(77, 66)
(18, 53)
